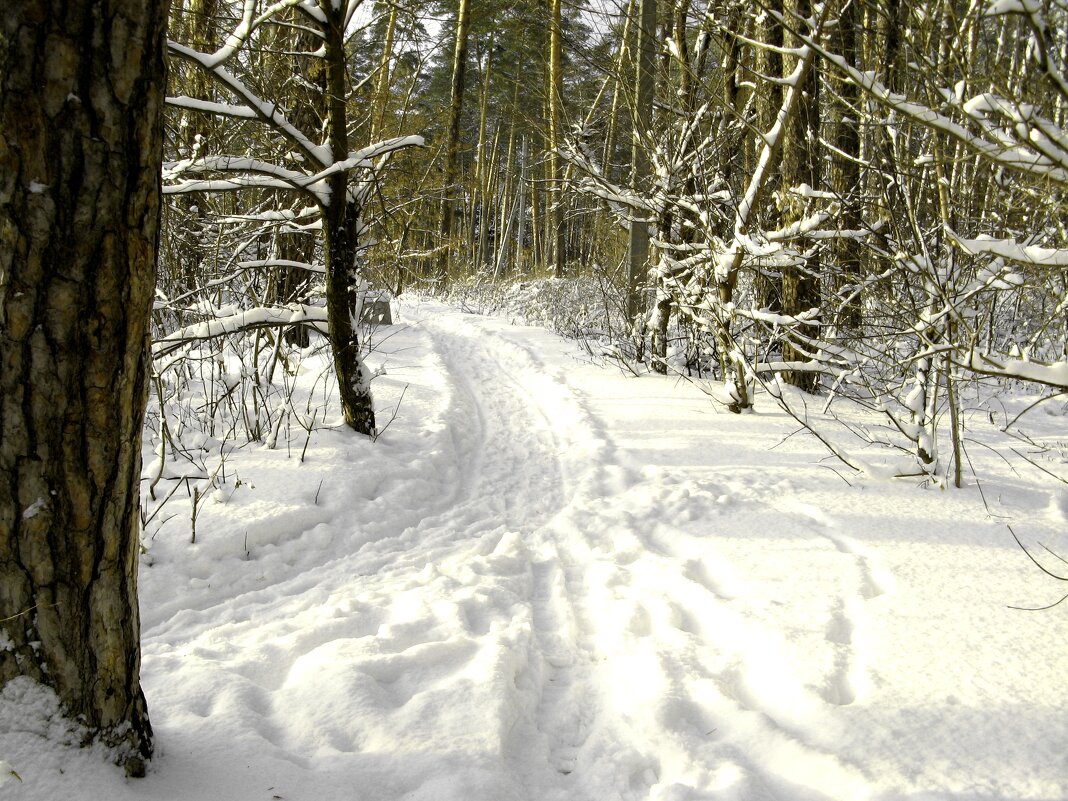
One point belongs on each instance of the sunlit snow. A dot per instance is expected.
(550, 581)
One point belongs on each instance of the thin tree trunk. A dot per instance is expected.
(769, 100)
(342, 228)
(381, 98)
(801, 160)
(690, 74)
(521, 199)
(622, 58)
(452, 145)
(557, 238)
(79, 229)
(307, 99)
(845, 169)
(638, 242)
(481, 182)
(537, 259)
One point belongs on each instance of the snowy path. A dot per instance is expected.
(551, 582)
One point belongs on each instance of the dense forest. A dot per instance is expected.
(860, 197)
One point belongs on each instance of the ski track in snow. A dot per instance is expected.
(541, 597)
(581, 541)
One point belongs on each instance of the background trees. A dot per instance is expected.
(841, 199)
(79, 224)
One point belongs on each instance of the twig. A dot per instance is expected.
(396, 411)
(26, 612)
(1029, 556)
(1037, 608)
(309, 428)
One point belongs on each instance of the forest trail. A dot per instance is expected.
(550, 581)
(622, 596)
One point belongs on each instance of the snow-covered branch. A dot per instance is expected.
(1052, 374)
(1023, 154)
(266, 111)
(247, 320)
(1011, 250)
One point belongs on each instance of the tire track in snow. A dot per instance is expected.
(511, 471)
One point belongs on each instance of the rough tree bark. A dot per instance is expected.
(81, 99)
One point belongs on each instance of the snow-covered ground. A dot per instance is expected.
(550, 581)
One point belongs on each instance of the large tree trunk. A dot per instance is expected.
(81, 97)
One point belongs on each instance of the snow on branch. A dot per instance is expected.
(1052, 374)
(1009, 249)
(288, 216)
(730, 261)
(262, 174)
(296, 265)
(249, 22)
(210, 107)
(365, 157)
(311, 8)
(247, 320)
(1043, 156)
(263, 110)
(235, 40)
(236, 184)
(1031, 10)
(239, 164)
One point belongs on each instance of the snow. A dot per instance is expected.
(547, 580)
(269, 112)
(1054, 374)
(999, 7)
(1009, 249)
(235, 320)
(34, 509)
